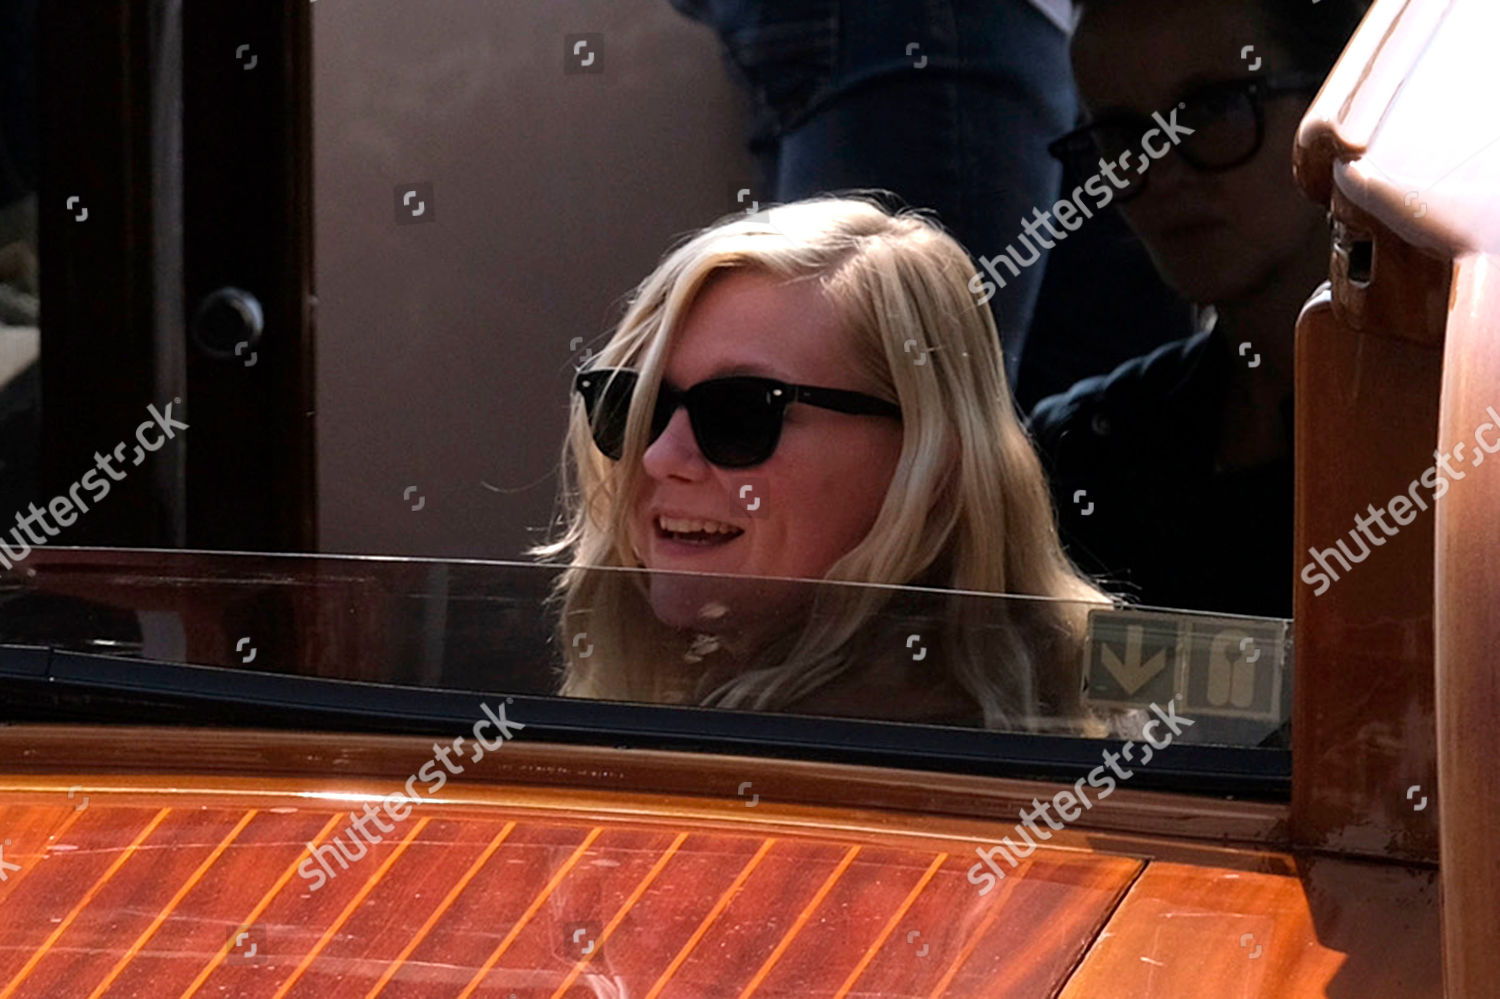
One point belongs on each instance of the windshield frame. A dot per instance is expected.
(49, 685)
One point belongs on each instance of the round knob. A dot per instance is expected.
(226, 320)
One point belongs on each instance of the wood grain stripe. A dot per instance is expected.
(260, 907)
(890, 926)
(708, 920)
(1008, 887)
(119, 862)
(802, 918)
(12, 883)
(354, 903)
(437, 914)
(171, 905)
(531, 910)
(609, 927)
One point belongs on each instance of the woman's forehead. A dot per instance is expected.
(749, 322)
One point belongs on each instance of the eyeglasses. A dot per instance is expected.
(1228, 119)
(736, 420)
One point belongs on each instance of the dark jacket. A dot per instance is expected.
(1140, 503)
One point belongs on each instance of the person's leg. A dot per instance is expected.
(950, 104)
(783, 52)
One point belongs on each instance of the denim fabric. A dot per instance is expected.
(841, 103)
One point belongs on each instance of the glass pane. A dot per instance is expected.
(20, 290)
(907, 654)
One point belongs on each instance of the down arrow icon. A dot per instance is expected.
(1132, 673)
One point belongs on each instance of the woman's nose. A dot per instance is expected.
(675, 453)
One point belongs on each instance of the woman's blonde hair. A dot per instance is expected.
(968, 508)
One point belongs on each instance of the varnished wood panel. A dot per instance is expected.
(1390, 146)
(1366, 427)
(1369, 368)
(1343, 928)
(26, 830)
(1468, 614)
(214, 905)
(119, 899)
(944, 803)
(356, 610)
(126, 903)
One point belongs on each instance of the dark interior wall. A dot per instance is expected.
(444, 348)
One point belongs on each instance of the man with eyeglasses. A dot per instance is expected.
(1172, 474)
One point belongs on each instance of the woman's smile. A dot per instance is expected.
(678, 535)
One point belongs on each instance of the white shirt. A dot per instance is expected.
(1059, 12)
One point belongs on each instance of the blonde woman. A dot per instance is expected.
(813, 394)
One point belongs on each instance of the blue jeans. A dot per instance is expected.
(948, 103)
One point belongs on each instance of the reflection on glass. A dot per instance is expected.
(20, 384)
(885, 653)
(894, 653)
(1019, 664)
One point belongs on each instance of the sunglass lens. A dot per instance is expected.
(737, 421)
(606, 399)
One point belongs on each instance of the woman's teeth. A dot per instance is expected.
(700, 529)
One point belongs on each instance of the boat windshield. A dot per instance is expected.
(912, 655)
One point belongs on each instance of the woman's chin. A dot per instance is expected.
(680, 603)
(722, 604)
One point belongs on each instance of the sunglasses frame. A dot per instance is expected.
(779, 395)
(1257, 90)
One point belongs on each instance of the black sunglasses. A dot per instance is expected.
(736, 420)
(1228, 119)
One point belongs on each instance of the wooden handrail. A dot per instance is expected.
(1398, 378)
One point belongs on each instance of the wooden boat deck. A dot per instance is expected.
(140, 884)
